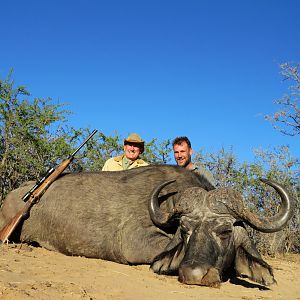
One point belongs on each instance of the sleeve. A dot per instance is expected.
(105, 167)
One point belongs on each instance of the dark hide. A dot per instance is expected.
(101, 215)
(105, 215)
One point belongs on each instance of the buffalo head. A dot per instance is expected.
(211, 236)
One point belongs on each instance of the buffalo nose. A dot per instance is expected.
(199, 276)
(191, 275)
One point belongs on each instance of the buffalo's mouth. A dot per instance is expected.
(199, 276)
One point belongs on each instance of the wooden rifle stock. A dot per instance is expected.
(36, 192)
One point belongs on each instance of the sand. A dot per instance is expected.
(35, 273)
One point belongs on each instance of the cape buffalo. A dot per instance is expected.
(165, 216)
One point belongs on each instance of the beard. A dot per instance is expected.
(183, 163)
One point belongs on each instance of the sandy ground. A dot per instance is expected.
(35, 273)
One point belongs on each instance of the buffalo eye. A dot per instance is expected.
(224, 232)
(223, 235)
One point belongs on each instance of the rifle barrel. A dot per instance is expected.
(89, 137)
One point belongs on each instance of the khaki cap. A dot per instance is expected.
(134, 138)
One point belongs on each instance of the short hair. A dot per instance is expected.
(180, 139)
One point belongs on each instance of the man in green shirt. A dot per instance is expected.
(183, 156)
(133, 148)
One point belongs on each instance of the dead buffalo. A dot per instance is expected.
(165, 216)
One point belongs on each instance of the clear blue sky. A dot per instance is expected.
(205, 69)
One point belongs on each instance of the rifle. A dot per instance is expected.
(33, 195)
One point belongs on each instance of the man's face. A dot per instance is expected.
(182, 154)
(132, 151)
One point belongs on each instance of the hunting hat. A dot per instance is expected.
(135, 138)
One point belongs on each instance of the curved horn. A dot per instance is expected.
(278, 221)
(157, 216)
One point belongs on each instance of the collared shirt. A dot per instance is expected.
(205, 173)
(126, 162)
(118, 164)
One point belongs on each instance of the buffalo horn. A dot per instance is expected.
(157, 216)
(278, 221)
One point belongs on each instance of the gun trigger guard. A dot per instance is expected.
(35, 201)
(25, 215)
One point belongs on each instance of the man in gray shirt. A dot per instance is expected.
(183, 156)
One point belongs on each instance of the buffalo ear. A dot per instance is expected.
(250, 264)
(168, 261)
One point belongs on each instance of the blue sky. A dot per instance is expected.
(204, 69)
